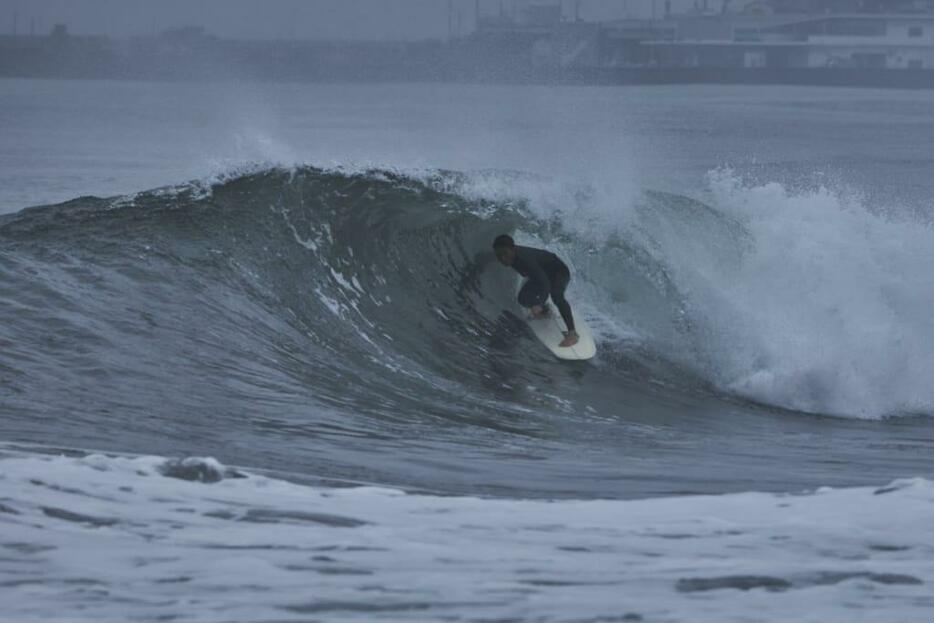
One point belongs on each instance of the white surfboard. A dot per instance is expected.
(550, 331)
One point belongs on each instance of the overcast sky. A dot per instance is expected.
(265, 19)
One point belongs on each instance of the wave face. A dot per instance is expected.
(324, 314)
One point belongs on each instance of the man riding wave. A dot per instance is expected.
(547, 276)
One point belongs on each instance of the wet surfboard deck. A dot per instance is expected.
(550, 332)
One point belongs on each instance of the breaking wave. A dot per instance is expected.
(374, 293)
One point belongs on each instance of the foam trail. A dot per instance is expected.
(116, 538)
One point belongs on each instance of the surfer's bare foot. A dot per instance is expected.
(570, 339)
(539, 311)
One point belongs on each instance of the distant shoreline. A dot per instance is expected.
(826, 77)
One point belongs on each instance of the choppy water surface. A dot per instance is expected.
(321, 304)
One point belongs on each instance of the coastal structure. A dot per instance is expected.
(882, 41)
(867, 42)
(754, 34)
(753, 41)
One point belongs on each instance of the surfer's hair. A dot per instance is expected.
(504, 241)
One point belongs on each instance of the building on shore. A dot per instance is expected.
(759, 41)
(858, 42)
(865, 40)
(754, 34)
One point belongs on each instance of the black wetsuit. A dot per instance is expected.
(548, 275)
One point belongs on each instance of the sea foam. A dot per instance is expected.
(107, 538)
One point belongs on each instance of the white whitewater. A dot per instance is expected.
(104, 539)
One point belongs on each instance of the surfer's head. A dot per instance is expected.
(505, 248)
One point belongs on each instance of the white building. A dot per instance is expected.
(882, 41)
(889, 41)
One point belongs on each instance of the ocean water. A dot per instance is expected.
(296, 281)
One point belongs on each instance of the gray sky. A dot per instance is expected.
(319, 19)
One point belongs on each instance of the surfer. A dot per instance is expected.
(547, 275)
